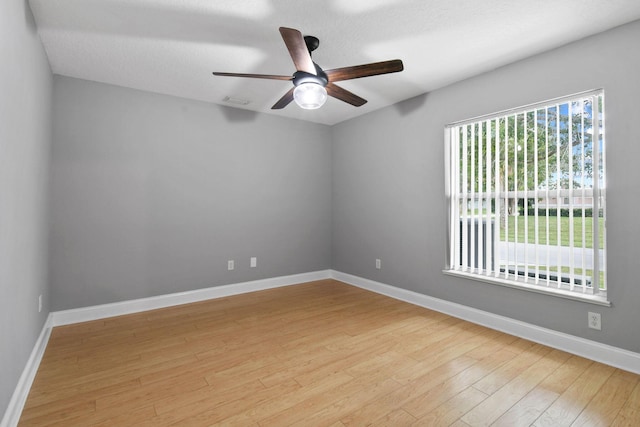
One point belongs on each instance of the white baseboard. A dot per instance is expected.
(86, 314)
(21, 392)
(614, 356)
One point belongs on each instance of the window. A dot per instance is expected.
(526, 193)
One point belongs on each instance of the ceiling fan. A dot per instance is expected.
(312, 84)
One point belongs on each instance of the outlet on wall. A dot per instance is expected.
(595, 322)
(253, 262)
(378, 264)
(39, 303)
(231, 265)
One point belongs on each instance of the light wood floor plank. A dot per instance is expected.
(530, 407)
(576, 397)
(316, 354)
(429, 380)
(629, 415)
(422, 405)
(606, 404)
(451, 410)
(507, 372)
(394, 419)
(283, 403)
(503, 399)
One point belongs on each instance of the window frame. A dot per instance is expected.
(452, 166)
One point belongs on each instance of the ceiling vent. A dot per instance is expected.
(235, 101)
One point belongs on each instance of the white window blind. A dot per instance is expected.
(526, 191)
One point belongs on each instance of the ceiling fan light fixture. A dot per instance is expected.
(309, 95)
(310, 81)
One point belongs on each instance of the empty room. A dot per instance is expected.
(274, 213)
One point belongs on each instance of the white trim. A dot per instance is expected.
(85, 314)
(598, 299)
(20, 393)
(614, 356)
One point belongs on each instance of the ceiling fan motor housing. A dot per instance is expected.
(300, 77)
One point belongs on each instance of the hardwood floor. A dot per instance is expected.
(321, 353)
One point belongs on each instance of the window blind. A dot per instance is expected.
(526, 190)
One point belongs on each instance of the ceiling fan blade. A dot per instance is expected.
(365, 70)
(255, 76)
(344, 95)
(298, 50)
(284, 101)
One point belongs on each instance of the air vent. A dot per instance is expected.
(236, 101)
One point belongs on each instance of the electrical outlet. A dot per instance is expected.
(595, 321)
(40, 303)
(230, 265)
(378, 264)
(253, 262)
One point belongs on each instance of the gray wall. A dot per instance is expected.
(152, 194)
(25, 133)
(388, 185)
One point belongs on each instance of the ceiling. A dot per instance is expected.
(172, 46)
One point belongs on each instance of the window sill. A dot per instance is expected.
(592, 299)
